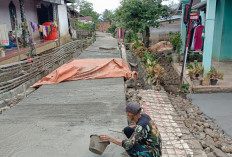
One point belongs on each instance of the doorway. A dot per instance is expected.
(13, 15)
(45, 14)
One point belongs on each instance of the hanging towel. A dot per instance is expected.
(40, 28)
(36, 27)
(44, 31)
(49, 30)
(198, 38)
(4, 38)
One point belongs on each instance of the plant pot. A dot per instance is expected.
(175, 58)
(213, 81)
(197, 82)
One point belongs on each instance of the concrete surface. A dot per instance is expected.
(105, 41)
(217, 106)
(57, 120)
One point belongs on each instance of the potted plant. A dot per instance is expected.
(195, 73)
(214, 75)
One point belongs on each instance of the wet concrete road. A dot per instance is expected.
(57, 120)
(217, 106)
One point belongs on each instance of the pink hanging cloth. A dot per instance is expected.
(198, 38)
(119, 33)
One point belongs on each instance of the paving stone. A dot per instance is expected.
(171, 126)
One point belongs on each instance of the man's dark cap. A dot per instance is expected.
(133, 107)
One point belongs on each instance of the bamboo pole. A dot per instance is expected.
(16, 37)
(33, 40)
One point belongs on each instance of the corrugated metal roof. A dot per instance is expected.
(200, 5)
(55, 1)
(195, 2)
(174, 17)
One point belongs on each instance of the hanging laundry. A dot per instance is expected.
(191, 36)
(32, 26)
(55, 24)
(24, 25)
(193, 40)
(44, 31)
(203, 34)
(40, 28)
(49, 30)
(198, 38)
(36, 27)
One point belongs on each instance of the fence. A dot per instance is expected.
(13, 75)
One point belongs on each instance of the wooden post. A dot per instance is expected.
(16, 37)
(32, 35)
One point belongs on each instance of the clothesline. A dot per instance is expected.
(46, 30)
(196, 40)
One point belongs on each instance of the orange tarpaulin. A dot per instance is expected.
(83, 69)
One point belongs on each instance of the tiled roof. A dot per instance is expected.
(87, 18)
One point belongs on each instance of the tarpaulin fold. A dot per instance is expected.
(83, 69)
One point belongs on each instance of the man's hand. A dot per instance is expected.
(105, 138)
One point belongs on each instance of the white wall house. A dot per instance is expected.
(36, 11)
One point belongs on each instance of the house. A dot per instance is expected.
(85, 19)
(216, 18)
(172, 24)
(16, 12)
(104, 26)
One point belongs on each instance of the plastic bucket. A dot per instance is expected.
(53, 34)
(96, 146)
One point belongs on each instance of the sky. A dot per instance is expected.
(101, 5)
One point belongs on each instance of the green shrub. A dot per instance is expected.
(175, 39)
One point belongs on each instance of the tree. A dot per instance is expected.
(86, 9)
(140, 15)
(107, 15)
(23, 19)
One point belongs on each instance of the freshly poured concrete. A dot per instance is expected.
(217, 106)
(57, 120)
